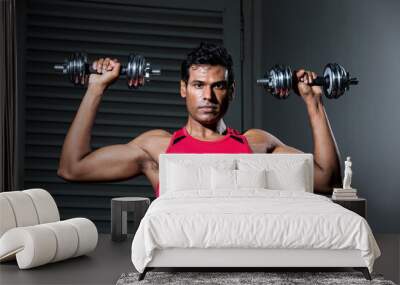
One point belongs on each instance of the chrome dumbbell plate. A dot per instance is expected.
(137, 70)
(278, 81)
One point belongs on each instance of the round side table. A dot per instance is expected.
(119, 215)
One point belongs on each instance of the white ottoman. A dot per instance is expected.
(31, 230)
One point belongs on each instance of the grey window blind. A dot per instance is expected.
(57, 28)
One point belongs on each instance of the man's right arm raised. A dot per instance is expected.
(116, 162)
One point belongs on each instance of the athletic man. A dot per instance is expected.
(207, 84)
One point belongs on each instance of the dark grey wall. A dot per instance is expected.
(162, 31)
(364, 36)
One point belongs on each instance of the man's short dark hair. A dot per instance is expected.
(208, 53)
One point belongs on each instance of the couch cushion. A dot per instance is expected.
(23, 208)
(7, 220)
(40, 244)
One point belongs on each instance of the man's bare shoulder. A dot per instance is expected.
(153, 138)
(156, 133)
(260, 136)
(151, 144)
(257, 134)
(260, 141)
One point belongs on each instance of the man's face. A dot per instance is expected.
(207, 93)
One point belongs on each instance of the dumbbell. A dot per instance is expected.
(336, 80)
(137, 70)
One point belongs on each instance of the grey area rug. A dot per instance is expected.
(232, 278)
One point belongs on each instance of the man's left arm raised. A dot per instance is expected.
(327, 173)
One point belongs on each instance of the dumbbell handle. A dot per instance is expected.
(321, 81)
(90, 69)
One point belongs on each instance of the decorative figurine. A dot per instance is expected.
(347, 174)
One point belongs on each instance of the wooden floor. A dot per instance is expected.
(111, 259)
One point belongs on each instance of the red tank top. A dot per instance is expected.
(182, 142)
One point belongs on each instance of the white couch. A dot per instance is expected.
(31, 231)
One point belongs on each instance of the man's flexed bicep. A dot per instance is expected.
(78, 162)
(109, 163)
